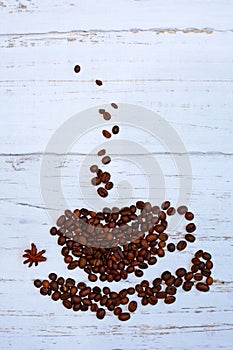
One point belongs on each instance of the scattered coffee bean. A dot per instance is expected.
(202, 287)
(102, 152)
(171, 247)
(109, 185)
(101, 111)
(106, 134)
(99, 82)
(102, 192)
(182, 209)
(189, 216)
(115, 129)
(107, 116)
(190, 238)
(114, 105)
(132, 306)
(105, 177)
(181, 245)
(93, 169)
(190, 228)
(124, 316)
(96, 181)
(77, 68)
(106, 160)
(100, 314)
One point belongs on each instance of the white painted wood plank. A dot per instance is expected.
(187, 78)
(42, 16)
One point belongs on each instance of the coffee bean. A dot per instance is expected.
(188, 276)
(166, 275)
(140, 204)
(100, 314)
(61, 220)
(53, 276)
(37, 283)
(171, 211)
(45, 284)
(77, 68)
(102, 192)
(170, 299)
(92, 278)
(53, 231)
(132, 306)
(107, 116)
(106, 160)
(171, 247)
(98, 82)
(198, 277)
(114, 105)
(189, 216)
(56, 296)
(61, 281)
(109, 185)
(178, 282)
(124, 316)
(96, 181)
(93, 169)
(117, 311)
(202, 287)
(209, 281)
(54, 286)
(161, 295)
(106, 134)
(190, 238)
(181, 245)
(182, 209)
(130, 290)
(187, 286)
(209, 264)
(115, 129)
(43, 291)
(165, 205)
(105, 177)
(206, 256)
(171, 290)
(102, 152)
(101, 111)
(190, 228)
(138, 273)
(181, 272)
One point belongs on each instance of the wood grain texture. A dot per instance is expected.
(173, 58)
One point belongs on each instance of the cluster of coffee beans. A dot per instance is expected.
(117, 242)
(103, 176)
(81, 297)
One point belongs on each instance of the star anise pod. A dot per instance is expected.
(32, 256)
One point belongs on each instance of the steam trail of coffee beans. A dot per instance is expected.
(104, 177)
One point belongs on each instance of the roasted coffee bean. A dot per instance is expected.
(43, 291)
(105, 177)
(77, 307)
(77, 68)
(202, 287)
(115, 129)
(73, 265)
(166, 275)
(209, 281)
(67, 304)
(171, 211)
(132, 306)
(53, 276)
(182, 209)
(140, 205)
(181, 245)
(106, 134)
(209, 264)
(161, 295)
(171, 247)
(92, 278)
(117, 311)
(124, 316)
(109, 186)
(102, 192)
(165, 205)
(181, 272)
(198, 276)
(100, 314)
(53, 231)
(99, 82)
(178, 282)
(130, 290)
(114, 105)
(206, 256)
(37, 283)
(138, 273)
(106, 160)
(188, 276)
(93, 169)
(84, 308)
(54, 285)
(170, 299)
(56, 296)
(102, 152)
(45, 283)
(206, 272)
(189, 216)
(191, 228)
(61, 220)
(95, 181)
(107, 116)
(187, 286)
(190, 238)
(171, 290)
(61, 281)
(84, 292)
(81, 285)
(101, 111)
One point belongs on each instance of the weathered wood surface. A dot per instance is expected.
(174, 59)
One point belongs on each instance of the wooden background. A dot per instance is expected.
(174, 57)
